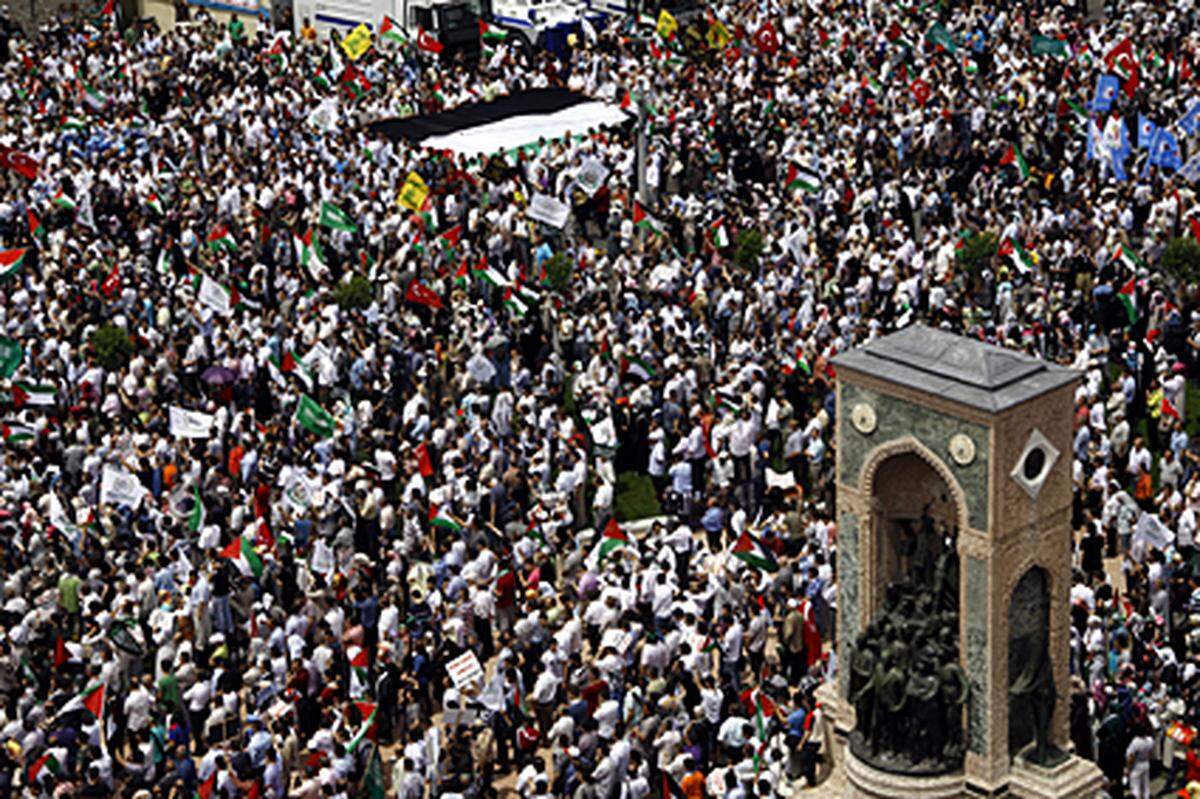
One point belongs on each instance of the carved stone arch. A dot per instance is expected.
(910, 444)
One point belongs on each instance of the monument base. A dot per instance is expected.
(866, 782)
(1073, 777)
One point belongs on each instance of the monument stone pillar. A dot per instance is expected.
(976, 438)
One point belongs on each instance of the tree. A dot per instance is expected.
(112, 346)
(749, 249)
(354, 293)
(558, 272)
(976, 253)
(1181, 260)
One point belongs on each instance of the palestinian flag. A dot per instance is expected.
(801, 179)
(11, 260)
(91, 700)
(220, 239)
(16, 433)
(750, 551)
(241, 552)
(424, 462)
(72, 123)
(313, 418)
(451, 238)
(197, 515)
(47, 762)
(489, 274)
(63, 200)
(514, 303)
(11, 355)
(614, 538)
(306, 252)
(1013, 156)
(490, 33)
(1012, 250)
(335, 218)
(871, 84)
(388, 29)
(361, 663)
(439, 518)
(321, 80)
(37, 395)
(1128, 257)
(639, 368)
(163, 264)
(154, 203)
(35, 225)
(643, 220)
(367, 731)
(1128, 297)
(718, 233)
(94, 99)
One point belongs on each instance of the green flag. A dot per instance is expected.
(1046, 45)
(335, 218)
(196, 517)
(11, 355)
(313, 418)
(939, 35)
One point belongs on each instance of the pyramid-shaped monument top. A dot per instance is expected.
(956, 368)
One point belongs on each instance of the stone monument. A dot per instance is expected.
(954, 497)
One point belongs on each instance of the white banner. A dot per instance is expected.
(548, 210)
(190, 424)
(526, 129)
(465, 670)
(214, 295)
(119, 487)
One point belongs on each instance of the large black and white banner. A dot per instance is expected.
(506, 123)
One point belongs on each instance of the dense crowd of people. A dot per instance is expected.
(319, 480)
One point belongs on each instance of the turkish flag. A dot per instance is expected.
(428, 43)
(921, 90)
(422, 295)
(766, 39)
(18, 162)
(111, 283)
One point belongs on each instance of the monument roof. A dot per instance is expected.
(957, 368)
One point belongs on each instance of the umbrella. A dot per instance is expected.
(219, 375)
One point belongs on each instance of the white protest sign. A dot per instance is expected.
(591, 176)
(214, 295)
(549, 211)
(464, 670)
(783, 480)
(190, 424)
(617, 639)
(119, 487)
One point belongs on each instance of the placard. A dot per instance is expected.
(464, 670)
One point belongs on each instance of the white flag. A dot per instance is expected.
(214, 295)
(62, 522)
(119, 487)
(322, 559)
(1151, 529)
(190, 424)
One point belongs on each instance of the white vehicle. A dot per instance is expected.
(454, 23)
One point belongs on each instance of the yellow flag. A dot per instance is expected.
(357, 42)
(413, 193)
(718, 35)
(666, 24)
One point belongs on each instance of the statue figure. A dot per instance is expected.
(926, 739)
(863, 665)
(1035, 686)
(925, 554)
(954, 690)
(891, 693)
(945, 576)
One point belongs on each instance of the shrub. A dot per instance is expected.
(634, 497)
(749, 248)
(558, 272)
(1181, 260)
(354, 293)
(112, 346)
